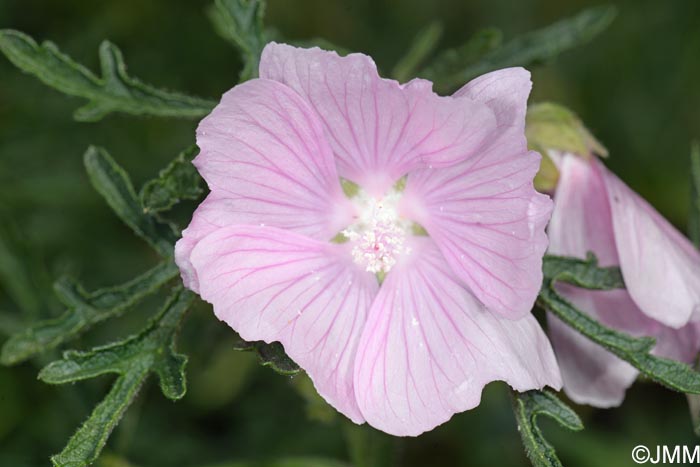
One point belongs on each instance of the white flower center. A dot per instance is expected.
(379, 233)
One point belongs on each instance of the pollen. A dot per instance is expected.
(378, 235)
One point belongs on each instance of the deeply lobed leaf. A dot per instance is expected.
(271, 355)
(528, 406)
(534, 47)
(115, 91)
(152, 350)
(178, 181)
(84, 309)
(113, 183)
(634, 350)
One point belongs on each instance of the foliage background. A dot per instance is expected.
(635, 86)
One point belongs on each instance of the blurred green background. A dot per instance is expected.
(636, 87)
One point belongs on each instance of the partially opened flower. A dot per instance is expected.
(595, 211)
(389, 238)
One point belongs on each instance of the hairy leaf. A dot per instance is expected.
(530, 405)
(84, 309)
(423, 45)
(113, 183)
(531, 48)
(152, 350)
(271, 355)
(694, 216)
(241, 23)
(583, 273)
(115, 91)
(634, 350)
(178, 181)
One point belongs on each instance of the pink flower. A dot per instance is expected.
(285, 255)
(595, 211)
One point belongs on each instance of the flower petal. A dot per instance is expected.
(274, 285)
(263, 149)
(484, 213)
(660, 266)
(506, 92)
(489, 222)
(379, 129)
(591, 374)
(582, 222)
(429, 347)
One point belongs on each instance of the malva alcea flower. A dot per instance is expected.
(326, 178)
(595, 211)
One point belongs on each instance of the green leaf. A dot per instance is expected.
(534, 47)
(271, 355)
(694, 216)
(452, 61)
(634, 350)
(115, 91)
(241, 23)
(113, 183)
(84, 309)
(178, 181)
(694, 403)
(423, 45)
(584, 273)
(530, 405)
(152, 350)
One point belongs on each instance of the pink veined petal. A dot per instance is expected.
(263, 149)
(484, 214)
(216, 211)
(488, 221)
(581, 222)
(429, 348)
(506, 92)
(379, 129)
(591, 374)
(660, 266)
(274, 285)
